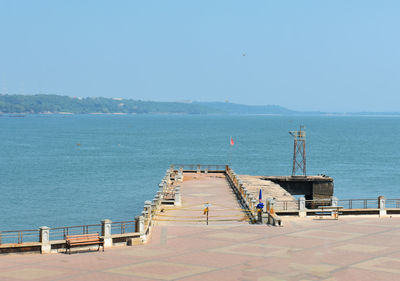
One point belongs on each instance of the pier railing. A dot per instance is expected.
(59, 233)
(123, 227)
(359, 203)
(19, 236)
(199, 168)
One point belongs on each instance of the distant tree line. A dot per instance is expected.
(37, 104)
(56, 104)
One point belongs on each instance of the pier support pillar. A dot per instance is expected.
(382, 206)
(302, 207)
(45, 240)
(106, 233)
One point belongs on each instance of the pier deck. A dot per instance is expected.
(199, 189)
(352, 248)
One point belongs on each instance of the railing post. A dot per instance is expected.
(253, 206)
(198, 169)
(140, 227)
(177, 201)
(147, 209)
(44, 238)
(334, 201)
(106, 233)
(302, 207)
(382, 206)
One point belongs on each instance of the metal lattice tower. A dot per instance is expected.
(299, 153)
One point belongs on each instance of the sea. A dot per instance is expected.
(65, 170)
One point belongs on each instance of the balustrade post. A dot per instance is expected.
(302, 207)
(382, 206)
(139, 220)
(106, 232)
(44, 238)
(154, 207)
(253, 207)
(177, 201)
(147, 208)
(161, 187)
(334, 201)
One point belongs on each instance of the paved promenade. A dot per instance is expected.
(184, 248)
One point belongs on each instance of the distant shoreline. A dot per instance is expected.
(65, 105)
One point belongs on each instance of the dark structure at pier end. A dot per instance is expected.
(312, 187)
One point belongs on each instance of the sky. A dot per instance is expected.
(335, 56)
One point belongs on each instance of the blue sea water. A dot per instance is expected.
(59, 170)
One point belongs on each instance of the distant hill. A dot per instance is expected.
(233, 108)
(60, 104)
(37, 104)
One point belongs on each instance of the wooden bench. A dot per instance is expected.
(332, 211)
(82, 240)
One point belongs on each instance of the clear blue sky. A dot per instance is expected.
(304, 55)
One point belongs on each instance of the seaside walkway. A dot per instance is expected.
(184, 248)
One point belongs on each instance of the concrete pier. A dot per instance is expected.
(182, 247)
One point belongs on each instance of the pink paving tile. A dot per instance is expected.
(94, 262)
(6, 264)
(160, 270)
(295, 242)
(383, 239)
(364, 275)
(38, 272)
(364, 229)
(217, 260)
(105, 276)
(194, 244)
(226, 275)
(329, 256)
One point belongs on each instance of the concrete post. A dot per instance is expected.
(253, 205)
(106, 232)
(158, 201)
(334, 201)
(302, 207)
(198, 169)
(44, 237)
(260, 216)
(181, 171)
(139, 224)
(154, 207)
(178, 201)
(147, 209)
(382, 206)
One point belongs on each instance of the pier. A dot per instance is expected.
(173, 240)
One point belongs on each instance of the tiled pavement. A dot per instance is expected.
(356, 248)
